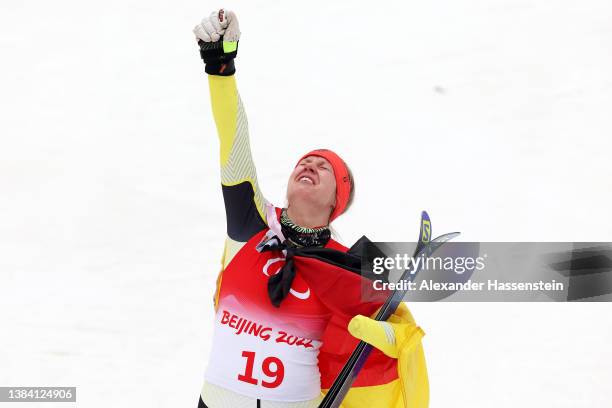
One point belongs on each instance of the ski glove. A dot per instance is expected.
(390, 337)
(218, 36)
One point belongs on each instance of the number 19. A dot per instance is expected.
(277, 374)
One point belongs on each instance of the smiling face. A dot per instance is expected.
(313, 181)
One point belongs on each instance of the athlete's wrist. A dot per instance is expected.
(219, 57)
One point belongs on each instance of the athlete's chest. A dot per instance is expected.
(246, 278)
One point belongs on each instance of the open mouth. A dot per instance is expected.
(305, 179)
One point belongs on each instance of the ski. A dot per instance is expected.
(425, 247)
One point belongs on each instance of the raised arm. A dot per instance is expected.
(244, 202)
(218, 37)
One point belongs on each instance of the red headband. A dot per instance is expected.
(343, 179)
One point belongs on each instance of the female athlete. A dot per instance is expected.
(275, 341)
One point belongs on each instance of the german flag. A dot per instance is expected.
(383, 382)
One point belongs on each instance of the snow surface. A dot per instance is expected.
(492, 115)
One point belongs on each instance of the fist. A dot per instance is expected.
(392, 337)
(220, 23)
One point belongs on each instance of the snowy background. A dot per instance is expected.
(494, 115)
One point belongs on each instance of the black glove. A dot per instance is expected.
(219, 56)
